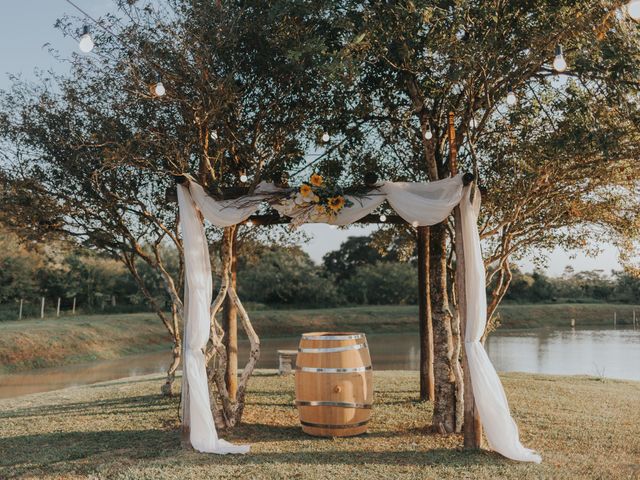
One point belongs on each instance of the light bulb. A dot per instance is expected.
(415, 224)
(383, 218)
(159, 89)
(326, 137)
(243, 178)
(511, 98)
(86, 42)
(633, 9)
(214, 135)
(473, 123)
(249, 223)
(559, 63)
(428, 135)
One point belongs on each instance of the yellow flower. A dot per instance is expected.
(336, 203)
(305, 190)
(316, 180)
(319, 209)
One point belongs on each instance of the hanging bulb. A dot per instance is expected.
(244, 178)
(383, 218)
(415, 224)
(633, 9)
(214, 135)
(428, 135)
(559, 63)
(158, 89)
(249, 223)
(511, 97)
(473, 123)
(86, 42)
(326, 137)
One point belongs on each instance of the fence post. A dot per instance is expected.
(614, 319)
(42, 308)
(73, 309)
(20, 311)
(58, 308)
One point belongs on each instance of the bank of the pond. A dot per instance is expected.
(583, 427)
(30, 344)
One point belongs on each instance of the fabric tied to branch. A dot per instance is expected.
(420, 204)
(491, 401)
(199, 291)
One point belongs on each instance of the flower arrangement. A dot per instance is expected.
(313, 201)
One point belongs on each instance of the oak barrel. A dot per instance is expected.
(334, 384)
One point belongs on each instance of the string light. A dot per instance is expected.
(249, 223)
(326, 137)
(158, 88)
(511, 97)
(383, 218)
(415, 224)
(214, 135)
(86, 42)
(244, 178)
(559, 63)
(633, 9)
(428, 134)
(473, 123)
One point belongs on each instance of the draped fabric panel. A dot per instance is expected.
(491, 401)
(199, 290)
(418, 203)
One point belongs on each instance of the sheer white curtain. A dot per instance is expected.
(198, 288)
(419, 204)
(493, 407)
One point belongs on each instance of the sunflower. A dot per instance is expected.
(305, 190)
(336, 203)
(316, 180)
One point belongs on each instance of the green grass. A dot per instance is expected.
(583, 427)
(52, 342)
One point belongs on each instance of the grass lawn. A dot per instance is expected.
(52, 342)
(584, 428)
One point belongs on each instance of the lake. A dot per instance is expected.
(603, 353)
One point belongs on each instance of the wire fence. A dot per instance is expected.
(58, 307)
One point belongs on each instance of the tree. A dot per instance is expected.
(557, 166)
(354, 252)
(91, 153)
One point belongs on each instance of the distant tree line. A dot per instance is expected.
(275, 276)
(574, 287)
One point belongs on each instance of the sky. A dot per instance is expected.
(27, 25)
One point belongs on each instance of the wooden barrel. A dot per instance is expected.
(334, 384)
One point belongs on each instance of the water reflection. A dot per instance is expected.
(609, 353)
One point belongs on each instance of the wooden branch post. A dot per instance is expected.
(230, 326)
(427, 386)
(472, 427)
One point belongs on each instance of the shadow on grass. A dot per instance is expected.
(83, 452)
(125, 405)
(53, 452)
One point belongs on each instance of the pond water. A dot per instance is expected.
(606, 353)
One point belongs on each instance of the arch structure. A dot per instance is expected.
(420, 204)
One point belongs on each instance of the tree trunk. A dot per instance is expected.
(426, 326)
(472, 426)
(230, 327)
(444, 409)
(227, 412)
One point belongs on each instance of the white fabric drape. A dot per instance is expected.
(491, 401)
(417, 203)
(203, 435)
